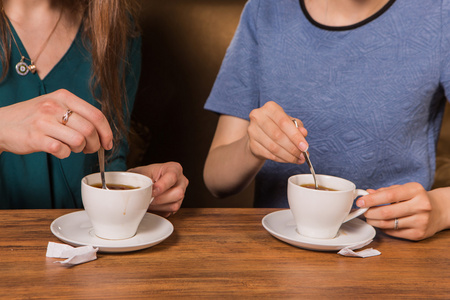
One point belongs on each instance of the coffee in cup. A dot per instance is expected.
(111, 186)
(319, 187)
(320, 213)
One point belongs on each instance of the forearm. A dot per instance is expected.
(230, 168)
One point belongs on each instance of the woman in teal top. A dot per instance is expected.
(50, 121)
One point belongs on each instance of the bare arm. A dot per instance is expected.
(230, 166)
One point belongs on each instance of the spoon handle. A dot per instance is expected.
(101, 161)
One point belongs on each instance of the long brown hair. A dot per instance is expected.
(108, 26)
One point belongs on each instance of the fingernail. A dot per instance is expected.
(110, 145)
(303, 147)
(360, 203)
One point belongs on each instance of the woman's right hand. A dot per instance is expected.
(273, 135)
(240, 148)
(36, 125)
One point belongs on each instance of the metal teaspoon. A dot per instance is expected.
(308, 161)
(101, 162)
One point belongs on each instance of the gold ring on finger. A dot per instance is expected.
(66, 116)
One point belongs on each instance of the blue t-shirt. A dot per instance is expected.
(370, 95)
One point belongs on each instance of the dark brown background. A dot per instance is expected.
(184, 42)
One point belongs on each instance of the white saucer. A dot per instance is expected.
(281, 225)
(76, 229)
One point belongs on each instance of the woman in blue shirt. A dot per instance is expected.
(70, 71)
(366, 79)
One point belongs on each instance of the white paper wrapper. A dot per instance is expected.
(74, 255)
(349, 251)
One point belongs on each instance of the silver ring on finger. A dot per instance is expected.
(66, 116)
(295, 122)
(395, 224)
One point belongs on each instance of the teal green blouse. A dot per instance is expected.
(40, 180)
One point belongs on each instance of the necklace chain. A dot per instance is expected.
(22, 67)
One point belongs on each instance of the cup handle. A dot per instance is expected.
(357, 212)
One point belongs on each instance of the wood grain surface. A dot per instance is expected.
(217, 253)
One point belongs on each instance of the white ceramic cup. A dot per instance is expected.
(116, 214)
(318, 213)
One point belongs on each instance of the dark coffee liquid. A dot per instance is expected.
(112, 186)
(319, 187)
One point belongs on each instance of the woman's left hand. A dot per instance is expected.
(168, 189)
(413, 213)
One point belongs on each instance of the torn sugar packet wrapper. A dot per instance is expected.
(75, 256)
(348, 251)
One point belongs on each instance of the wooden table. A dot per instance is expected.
(218, 253)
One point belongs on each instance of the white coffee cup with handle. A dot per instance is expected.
(320, 213)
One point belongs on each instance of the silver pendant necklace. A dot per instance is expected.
(22, 68)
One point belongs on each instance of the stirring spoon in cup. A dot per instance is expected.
(101, 162)
(308, 161)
